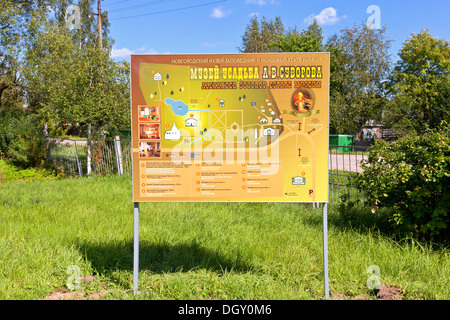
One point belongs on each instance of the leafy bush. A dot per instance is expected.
(411, 177)
(22, 140)
(10, 173)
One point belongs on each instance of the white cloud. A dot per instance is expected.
(219, 12)
(327, 17)
(145, 50)
(254, 14)
(121, 53)
(125, 52)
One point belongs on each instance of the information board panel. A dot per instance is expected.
(230, 127)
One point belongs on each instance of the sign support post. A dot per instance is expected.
(325, 249)
(136, 248)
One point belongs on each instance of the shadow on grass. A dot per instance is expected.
(361, 219)
(357, 218)
(159, 258)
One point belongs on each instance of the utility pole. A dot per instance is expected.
(99, 23)
(100, 46)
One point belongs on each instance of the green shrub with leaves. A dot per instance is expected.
(22, 140)
(11, 173)
(411, 177)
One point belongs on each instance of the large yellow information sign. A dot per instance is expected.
(230, 127)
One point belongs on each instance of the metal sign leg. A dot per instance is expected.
(136, 248)
(325, 249)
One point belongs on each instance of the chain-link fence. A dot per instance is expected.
(109, 156)
(343, 163)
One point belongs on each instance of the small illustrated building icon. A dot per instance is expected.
(191, 122)
(173, 134)
(276, 120)
(297, 181)
(269, 132)
(157, 76)
(221, 103)
(263, 120)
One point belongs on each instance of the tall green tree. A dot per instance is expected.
(89, 89)
(260, 36)
(309, 40)
(20, 134)
(360, 66)
(19, 20)
(420, 84)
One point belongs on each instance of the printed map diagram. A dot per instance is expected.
(204, 115)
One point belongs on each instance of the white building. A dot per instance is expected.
(173, 134)
(191, 122)
(263, 120)
(297, 181)
(269, 132)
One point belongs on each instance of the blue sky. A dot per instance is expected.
(216, 26)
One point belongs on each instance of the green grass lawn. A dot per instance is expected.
(195, 250)
(10, 173)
